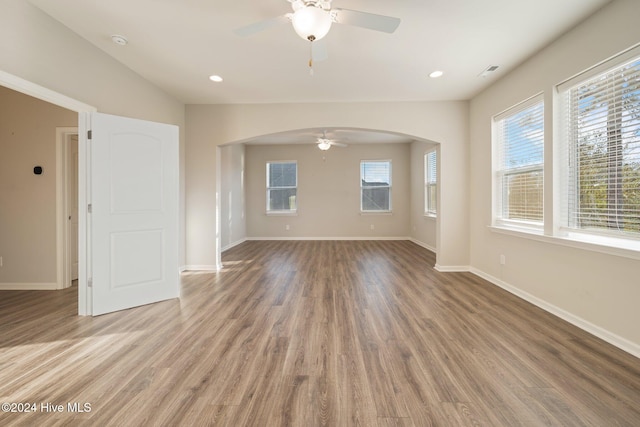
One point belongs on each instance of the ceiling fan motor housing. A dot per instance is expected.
(301, 4)
(311, 21)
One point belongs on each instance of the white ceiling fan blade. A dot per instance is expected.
(319, 50)
(261, 26)
(339, 144)
(371, 21)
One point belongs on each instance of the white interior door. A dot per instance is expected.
(134, 213)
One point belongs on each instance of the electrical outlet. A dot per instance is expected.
(372, 226)
(503, 260)
(286, 227)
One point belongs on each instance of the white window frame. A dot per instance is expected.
(430, 162)
(499, 192)
(556, 232)
(362, 188)
(566, 197)
(291, 211)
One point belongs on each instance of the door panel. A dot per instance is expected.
(131, 272)
(134, 219)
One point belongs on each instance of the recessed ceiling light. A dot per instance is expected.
(119, 40)
(436, 74)
(215, 78)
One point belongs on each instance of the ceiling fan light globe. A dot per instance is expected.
(311, 23)
(324, 145)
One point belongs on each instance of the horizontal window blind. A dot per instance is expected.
(282, 182)
(603, 152)
(375, 172)
(520, 170)
(431, 173)
(281, 174)
(375, 185)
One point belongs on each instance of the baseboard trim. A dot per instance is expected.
(613, 339)
(424, 245)
(28, 286)
(452, 268)
(231, 245)
(200, 268)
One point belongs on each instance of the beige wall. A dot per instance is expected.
(328, 192)
(40, 50)
(597, 291)
(28, 201)
(443, 122)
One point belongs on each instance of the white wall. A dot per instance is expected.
(38, 49)
(328, 196)
(232, 200)
(443, 122)
(28, 201)
(598, 291)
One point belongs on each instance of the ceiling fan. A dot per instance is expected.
(312, 19)
(325, 143)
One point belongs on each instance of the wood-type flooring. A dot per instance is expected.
(312, 333)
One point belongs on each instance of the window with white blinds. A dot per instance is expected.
(430, 183)
(602, 121)
(375, 186)
(282, 187)
(519, 168)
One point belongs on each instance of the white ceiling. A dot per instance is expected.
(177, 44)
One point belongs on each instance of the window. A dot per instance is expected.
(602, 125)
(430, 183)
(519, 143)
(282, 183)
(375, 186)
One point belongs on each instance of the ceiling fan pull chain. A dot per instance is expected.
(311, 58)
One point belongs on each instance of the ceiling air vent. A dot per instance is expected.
(490, 69)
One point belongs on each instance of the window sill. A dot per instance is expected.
(607, 245)
(518, 227)
(376, 212)
(430, 216)
(282, 213)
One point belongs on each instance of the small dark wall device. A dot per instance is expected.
(37, 170)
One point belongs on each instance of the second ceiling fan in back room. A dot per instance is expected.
(325, 143)
(312, 20)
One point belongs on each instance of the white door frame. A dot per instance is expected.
(20, 85)
(63, 245)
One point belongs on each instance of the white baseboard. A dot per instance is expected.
(452, 268)
(231, 245)
(424, 245)
(613, 339)
(199, 268)
(28, 286)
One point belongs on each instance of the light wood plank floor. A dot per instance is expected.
(318, 333)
